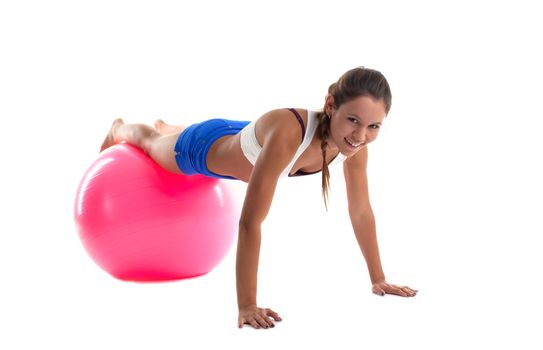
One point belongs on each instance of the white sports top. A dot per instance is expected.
(251, 148)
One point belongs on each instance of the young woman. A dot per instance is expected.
(282, 142)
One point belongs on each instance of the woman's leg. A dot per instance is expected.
(160, 147)
(164, 128)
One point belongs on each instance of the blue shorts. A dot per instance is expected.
(194, 142)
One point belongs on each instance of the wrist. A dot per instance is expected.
(377, 279)
(246, 305)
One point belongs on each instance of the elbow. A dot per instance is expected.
(360, 213)
(248, 225)
(251, 219)
(249, 231)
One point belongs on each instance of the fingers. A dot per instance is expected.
(387, 288)
(405, 291)
(264, 321)
(252, 321)
(410, 292)
(397, 290)
(258, 322)
(401, 291)
(259, 319)
(273, 314)
(378, 290)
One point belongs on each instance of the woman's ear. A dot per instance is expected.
(329, 104)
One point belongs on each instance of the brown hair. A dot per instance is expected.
(354, 83)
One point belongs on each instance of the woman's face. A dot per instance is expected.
(355, 123)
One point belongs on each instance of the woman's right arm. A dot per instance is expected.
(279, 146)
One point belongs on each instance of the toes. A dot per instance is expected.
(159, 123)
(110, 137)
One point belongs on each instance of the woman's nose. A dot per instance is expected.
(360, 135)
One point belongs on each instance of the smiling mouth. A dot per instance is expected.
(353, 144)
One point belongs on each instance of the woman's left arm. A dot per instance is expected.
(363, 221)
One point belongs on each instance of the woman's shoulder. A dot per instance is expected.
(279, 116)
(282, 120)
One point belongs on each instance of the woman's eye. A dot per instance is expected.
(374, 126)
(354, 120)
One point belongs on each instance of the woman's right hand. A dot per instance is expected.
(257, 317)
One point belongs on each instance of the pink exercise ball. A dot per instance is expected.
(140, 222)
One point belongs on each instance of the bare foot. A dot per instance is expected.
(159, 125)
(164, 128)
(110, 138)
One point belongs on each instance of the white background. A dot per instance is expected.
(455, 176)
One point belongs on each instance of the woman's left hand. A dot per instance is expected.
(383, 287)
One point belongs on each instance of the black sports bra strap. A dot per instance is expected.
(300, 120)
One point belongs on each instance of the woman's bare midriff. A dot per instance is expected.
(225, 157)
